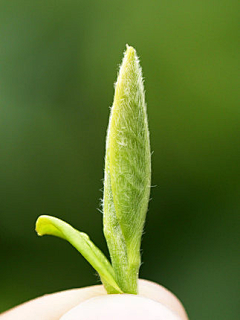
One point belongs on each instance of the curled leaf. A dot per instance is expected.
(47, 225)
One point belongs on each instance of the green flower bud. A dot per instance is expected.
(127, 173)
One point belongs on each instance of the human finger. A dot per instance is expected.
(53, 306)
(121, 306)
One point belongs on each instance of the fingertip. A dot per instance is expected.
(160, 294)
(121, 306)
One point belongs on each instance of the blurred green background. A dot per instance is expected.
(58, 62)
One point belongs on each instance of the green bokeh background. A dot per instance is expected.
(58, 63)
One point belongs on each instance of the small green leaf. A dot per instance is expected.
(56, 227)
(127, 173)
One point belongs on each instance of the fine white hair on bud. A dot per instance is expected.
(127, 173)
